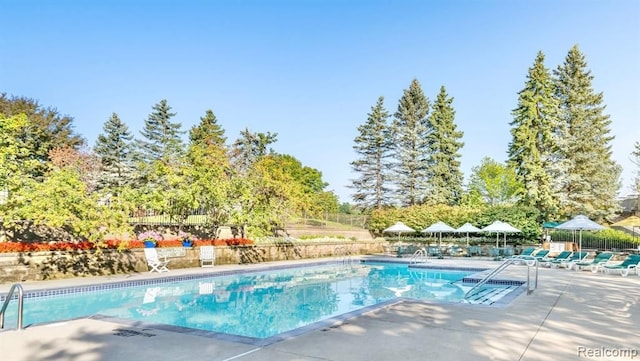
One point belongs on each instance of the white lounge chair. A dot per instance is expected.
(154, 263)
(207, 256)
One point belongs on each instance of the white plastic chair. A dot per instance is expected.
(207, 256)
(151, 254)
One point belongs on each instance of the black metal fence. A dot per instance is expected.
(199, 217)
(595, 241)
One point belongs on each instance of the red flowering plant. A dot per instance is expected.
(18, 247)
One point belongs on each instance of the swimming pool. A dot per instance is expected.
(254, 305)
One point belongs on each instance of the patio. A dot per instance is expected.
(571, 316)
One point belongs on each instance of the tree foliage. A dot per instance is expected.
(374, 146)
(117, 155)
(496, 183)
(161, 137)
(444, 141)
(249, 147)
(46, 129)
(411, 130)
(531, 150)
(588, 181)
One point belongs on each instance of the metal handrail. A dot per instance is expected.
(420, 254)
(530, 263)
(6, 303)
(488, 277)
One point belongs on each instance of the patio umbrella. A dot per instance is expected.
(499, 226)
(468, 228)
(399, 228)
(580, 223)
(439, 227)
(631, 221)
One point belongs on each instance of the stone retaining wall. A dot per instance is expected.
(30, 266)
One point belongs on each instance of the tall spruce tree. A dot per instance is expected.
(444, 142)
(117, 155)
(591, 178)
(532, 145)
(162, 137)
(373, 145)
(411, 131)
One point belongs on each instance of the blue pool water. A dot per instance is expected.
(257, 305)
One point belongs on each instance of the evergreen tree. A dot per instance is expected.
(592, 179)
(445, 177)
(117, 154)
(208, 132)
(161, 136)
(532, 145)
(250, 147)
(209, 171)
(411, 131)
(374, 145)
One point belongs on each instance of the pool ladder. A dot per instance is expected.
(14, 287)
(419, 256)
(508, 262)
(345, 256)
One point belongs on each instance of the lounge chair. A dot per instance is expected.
(527, 252)
(549, 261)
(155, 264)
(538, 256)
(629, 264)
(207, 256)
(593, 263)
(568, 263)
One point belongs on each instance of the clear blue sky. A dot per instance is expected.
(310, 70)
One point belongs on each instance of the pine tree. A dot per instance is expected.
(591, 178)
(532, 145)
(208, 171)
(374, 145)
(161, 136)
(208, 131)
(444, 143)
(411, 153)
(117, 154)
(250, 147)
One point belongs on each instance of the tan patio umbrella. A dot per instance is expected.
(631, 221)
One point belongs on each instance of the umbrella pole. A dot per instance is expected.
(467, 239)
(580, 248)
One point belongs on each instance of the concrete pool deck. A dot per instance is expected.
(571, 316)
